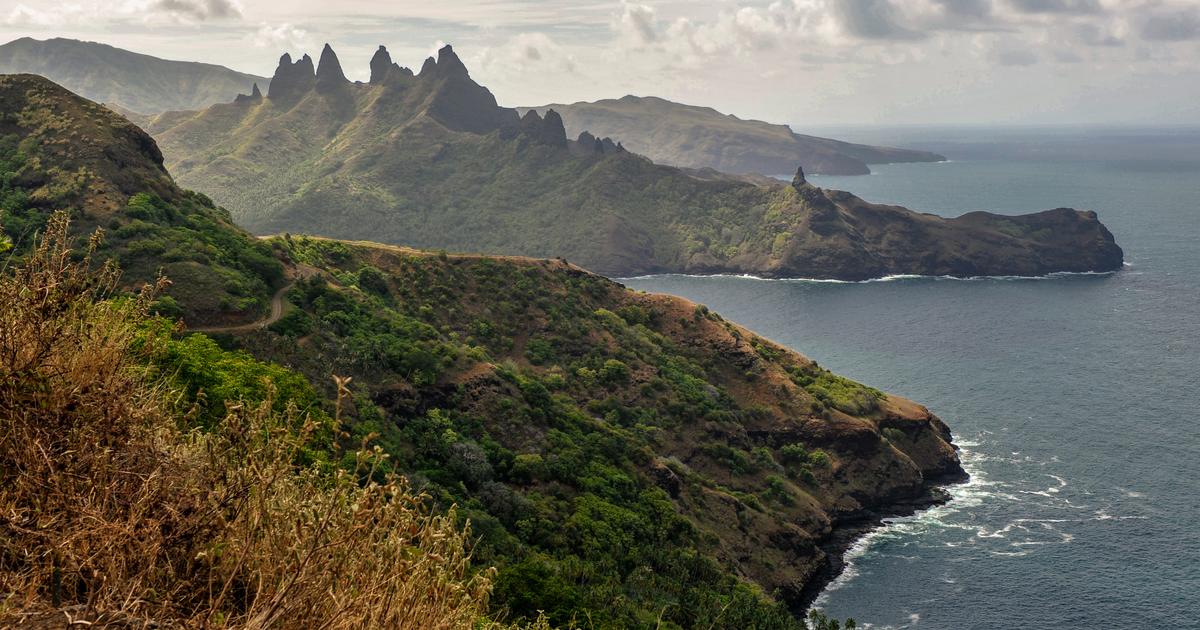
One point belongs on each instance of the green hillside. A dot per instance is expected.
(58, 151)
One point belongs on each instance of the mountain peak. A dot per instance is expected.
(329, 71)
(119, 157)
(381, 65)
(292, 79)
(544, 130)
(428, 67)
(799, 181)
(448, 62)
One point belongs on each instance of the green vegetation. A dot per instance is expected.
(836, 391)
(536, 398)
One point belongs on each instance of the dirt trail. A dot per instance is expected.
(276, 309)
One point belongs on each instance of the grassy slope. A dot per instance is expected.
(141, 83)
(58, 151)
(700, 137)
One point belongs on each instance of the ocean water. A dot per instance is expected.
(1075, 399)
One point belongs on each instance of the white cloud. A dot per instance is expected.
(523, 53)
(197, 9)
(282, 37)
(638, 22)
(101, 12)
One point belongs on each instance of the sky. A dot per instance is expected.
(804, 62)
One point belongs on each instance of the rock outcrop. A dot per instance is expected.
(329, 72)
(428, 68)
(588, 144)
(292, 80)
(255, 96)
(548, 131)
(381, 65)
(448, 63)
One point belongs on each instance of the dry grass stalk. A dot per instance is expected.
(111, 513)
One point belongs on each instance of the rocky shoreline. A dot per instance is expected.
(851, 527)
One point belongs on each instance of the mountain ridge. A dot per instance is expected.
(134, 81)
(430, 160)
(696, 136)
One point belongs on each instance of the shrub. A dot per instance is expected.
(373, 280)
(614, 372)
(794, 453)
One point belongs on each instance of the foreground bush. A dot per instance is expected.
(114, 511)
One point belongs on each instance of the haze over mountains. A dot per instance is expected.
(141, 83)
(701, 137)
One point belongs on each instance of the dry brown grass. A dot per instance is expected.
(113, 513)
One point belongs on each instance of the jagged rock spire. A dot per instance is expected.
(548, 130)
(448, 62)
(254, 96)
(799, 181)
(329, 71)
(381, 65)
(428, 67)
(555, 131)
(292, 79)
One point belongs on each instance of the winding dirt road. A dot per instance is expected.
(276, 309)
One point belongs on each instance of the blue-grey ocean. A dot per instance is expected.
(1075, 399)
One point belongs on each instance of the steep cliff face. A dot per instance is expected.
(431, 161)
